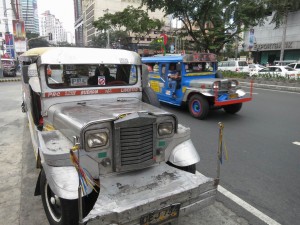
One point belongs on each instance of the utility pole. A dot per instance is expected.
(5, 16)
(107, 32)
(283, 35)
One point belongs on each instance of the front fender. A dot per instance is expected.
(63, 181)
(184, 154)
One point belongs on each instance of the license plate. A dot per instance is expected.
(231, 96)
(160, 216)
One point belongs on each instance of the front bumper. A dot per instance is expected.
(125, 197)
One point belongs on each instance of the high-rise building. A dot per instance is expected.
(29, 14)
(51, 26)
(78, 23)
(93, 9)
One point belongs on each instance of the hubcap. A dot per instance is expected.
(196, 107)
(53, 204)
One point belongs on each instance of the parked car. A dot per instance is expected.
(283, 71)
(235, 66)
(9, 67)
(295, 65)
(254, 68)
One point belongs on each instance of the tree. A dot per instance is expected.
(35, 41)
(131, 20)
(118, 39)
(212, 24)
(281, 10)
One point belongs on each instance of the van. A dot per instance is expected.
(234, 65)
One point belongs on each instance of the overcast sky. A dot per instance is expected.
(61, 9)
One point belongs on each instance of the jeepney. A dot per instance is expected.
(201, 86)
(9, 67)
(107, 153)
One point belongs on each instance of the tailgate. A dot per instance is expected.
(125, 198)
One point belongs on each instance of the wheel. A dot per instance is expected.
(61, 211)
(150, 97)
(190, 168)
(219, 75)
(198, 107)
(232, 109)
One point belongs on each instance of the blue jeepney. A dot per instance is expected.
(198, 83)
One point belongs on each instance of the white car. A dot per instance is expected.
(295, 65)
(283, 71)
(254, 68)
(233, 65)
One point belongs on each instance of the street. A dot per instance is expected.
(261, 170)
(263, 163)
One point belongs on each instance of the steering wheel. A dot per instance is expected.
(116, 82)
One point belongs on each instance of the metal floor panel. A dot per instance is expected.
(124, 198)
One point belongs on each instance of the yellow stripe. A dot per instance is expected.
(198, 74)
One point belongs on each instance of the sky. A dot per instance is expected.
(61, 9)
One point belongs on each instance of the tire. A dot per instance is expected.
(219, 75)
(190, 168)
(61, 211)
(198, 107)
(150, 97)
(232, 109)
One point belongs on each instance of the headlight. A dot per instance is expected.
(165, 128)
(216, 85)
(233, 83)
(97, 139)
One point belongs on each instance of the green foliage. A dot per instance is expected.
(118, 39)
(212, 24)
(33, 41)
(64, 44)
(131, 20)
(281, 9)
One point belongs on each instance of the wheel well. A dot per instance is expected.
(210, 100)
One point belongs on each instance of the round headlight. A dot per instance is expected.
(97, 139)
(165, 128)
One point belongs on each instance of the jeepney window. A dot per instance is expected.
(72, 76)
(163, 71)
(197, 67)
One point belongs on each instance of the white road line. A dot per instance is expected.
(254, 93)
(296, 143)
(247, 206)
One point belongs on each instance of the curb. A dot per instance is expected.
(272, 87)
(10, 79)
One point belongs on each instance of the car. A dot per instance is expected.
(234, 65)
(254, 68)
(111, 136)
(9, 67)
(199, 84)
(282, 71)
(295, 65)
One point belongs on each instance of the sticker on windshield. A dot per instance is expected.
(101, 80)
(78, 81)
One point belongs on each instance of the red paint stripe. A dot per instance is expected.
(90, 92)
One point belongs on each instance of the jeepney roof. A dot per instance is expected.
(196, 57)
(73, 55)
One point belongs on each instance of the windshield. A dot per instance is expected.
(71, 76)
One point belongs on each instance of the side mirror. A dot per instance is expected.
(25, 74)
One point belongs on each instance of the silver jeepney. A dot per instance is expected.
(104, 146)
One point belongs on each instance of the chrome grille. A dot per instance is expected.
(136, 145)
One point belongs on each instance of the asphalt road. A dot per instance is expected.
(264, 160)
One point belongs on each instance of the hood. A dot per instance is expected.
(71, 118)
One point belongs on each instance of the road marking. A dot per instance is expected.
(296, 143)
(247, 206)
(254, 93)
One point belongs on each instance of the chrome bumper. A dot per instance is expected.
(125, 197)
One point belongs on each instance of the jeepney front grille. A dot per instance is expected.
(136, 145)
(134, 142)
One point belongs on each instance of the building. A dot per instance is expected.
(78, 23)
(264, 42)
(93, 9)
(51, 26)
(29, 14)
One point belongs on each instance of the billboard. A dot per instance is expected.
(9, 42)
(19, 35)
